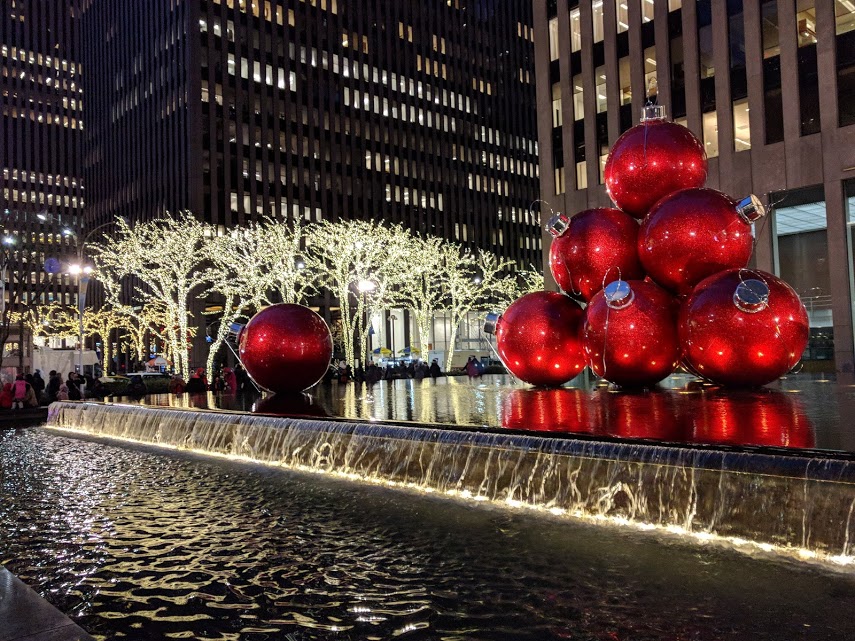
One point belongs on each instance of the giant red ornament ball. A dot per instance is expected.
(743, 327)
(286, 348)
(651, 160)
(596, 243)
(630, 333)
(695, 233)
(538, 338)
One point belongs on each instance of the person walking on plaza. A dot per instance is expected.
(73, 389)
(52, 389)
(19, 392)
(62, 394)
(434, 370)
(38, 383)
(230, 378)
(197, 383)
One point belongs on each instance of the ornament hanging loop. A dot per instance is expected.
(750, 208)
(752, 294)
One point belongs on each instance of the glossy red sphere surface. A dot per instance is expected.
(692, 234)
(598, 243)
(538, 338)
(286, 348)
(651, 160)
(636, 345)
(733, 347)
(651, 415)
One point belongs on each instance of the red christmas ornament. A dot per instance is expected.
(743, 327)
(630, 333)
(651, 160)
(695, 233)
(766, 417)
(591, 245)
(538, 338)
(550, 410)
(286, 348)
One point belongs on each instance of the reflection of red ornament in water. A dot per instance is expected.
(630, 333)
(549, 410)
(649, 415)
(651, 160)
(286, 348)
(743, 327)
(695, 233)
(538, 338)
(289, 404)
(767, 418)
(598, 243)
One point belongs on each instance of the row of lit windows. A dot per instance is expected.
(525, 76)
(409, 196)
(40, 198)
(61, 84)
(406, 113)
(40, 178)
(37, 58)
(268, 75)
(524, 31)
(440, 70)
(476, 182)
(353, 41)
(267, 11)
(51, 119)
(483, 87)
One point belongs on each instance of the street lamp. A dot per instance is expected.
(392, 320)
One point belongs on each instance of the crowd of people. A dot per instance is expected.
(31, 390)
(225, 381)
(418, 370)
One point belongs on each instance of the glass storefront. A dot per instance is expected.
(801, 259)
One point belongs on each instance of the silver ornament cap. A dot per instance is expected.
(490, 322)
(618, 294)
(751, 296)
(750, 208)
(653, 112)
(558, 224)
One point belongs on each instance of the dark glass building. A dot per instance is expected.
(415, 112)
(40, 149)
(767, 85)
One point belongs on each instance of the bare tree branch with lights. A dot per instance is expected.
(356, 260)
(473, 282)
(251, 267)
(165, 256)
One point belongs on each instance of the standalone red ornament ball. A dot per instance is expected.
(651, 160)
(597, 243)
(695, 233)
(538, 338)
(630, 333)
(743, 327)
(286, 348)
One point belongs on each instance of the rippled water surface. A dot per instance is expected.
(140, 544)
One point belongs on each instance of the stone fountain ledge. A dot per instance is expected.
(801, 504)
(25, 616)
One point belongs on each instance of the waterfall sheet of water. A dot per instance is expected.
(790, 503)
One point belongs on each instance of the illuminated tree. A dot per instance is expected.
(165, 258)
(420, 287)
(473, 282)
(51, 320)
(349, 255)
(102, 323)
(528, 281)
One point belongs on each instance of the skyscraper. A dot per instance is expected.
(415, 112)
(40, 143)
(766, 85)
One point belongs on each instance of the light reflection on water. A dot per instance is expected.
(801, 411)
(136, 544)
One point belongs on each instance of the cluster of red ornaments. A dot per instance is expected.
(673, 289)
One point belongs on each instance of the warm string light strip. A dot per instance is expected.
(745, 546)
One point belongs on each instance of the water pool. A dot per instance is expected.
(135, 543)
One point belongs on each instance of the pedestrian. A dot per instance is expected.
(242, 378)
(176, 384)
(137, 386)
(62, 394)
(472, 367)
(38, 383)
(218, 384)
(72, 385)
(54, 383)
(197, 383)
(230, 378)
(434, 370)
(31, 400)
(19, 392)
(419, 371)
(6, 397)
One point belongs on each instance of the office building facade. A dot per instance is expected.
(768, 86)
(40, 149)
